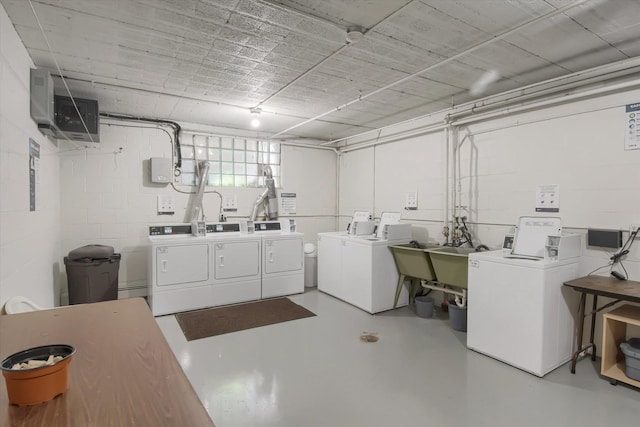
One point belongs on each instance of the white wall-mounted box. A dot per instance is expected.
(161, 172)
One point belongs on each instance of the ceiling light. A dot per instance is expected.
(255, 113)
(354, 34)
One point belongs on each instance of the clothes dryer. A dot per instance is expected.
(282, 258)
(188, 273)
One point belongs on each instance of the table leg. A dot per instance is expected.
(593, 327)
(580, 331)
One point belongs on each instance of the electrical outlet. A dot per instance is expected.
(633, 228)
(229, 203)
(166, 205)
(411, 200)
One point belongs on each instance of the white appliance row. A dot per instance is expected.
(226, 266)
(360, 270)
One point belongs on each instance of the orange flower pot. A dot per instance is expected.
(36, 385)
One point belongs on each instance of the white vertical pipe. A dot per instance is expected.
(338, 168)
(445, 185)
(373, 184)
(459, 173)
(454, 174)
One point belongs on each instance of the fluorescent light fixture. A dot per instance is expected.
(255, 113)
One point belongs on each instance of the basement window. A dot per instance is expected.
(233, 161)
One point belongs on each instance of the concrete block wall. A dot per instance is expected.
(580, 148)
(377, 179)
(29, 241)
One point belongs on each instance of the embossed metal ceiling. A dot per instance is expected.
(210, 61)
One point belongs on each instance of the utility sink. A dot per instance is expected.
(451, 265)
(413, 262)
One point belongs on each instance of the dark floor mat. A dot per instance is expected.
(222, 320)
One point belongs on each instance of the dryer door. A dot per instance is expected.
(282, 255)
(182, 264)
(236, 259)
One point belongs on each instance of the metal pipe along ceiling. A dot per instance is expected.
(438, 64)
(536, 90)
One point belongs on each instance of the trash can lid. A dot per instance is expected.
(309, 248)
(91, 252)
(631, 348)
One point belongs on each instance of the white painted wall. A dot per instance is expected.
(29, 241)
(107, 197)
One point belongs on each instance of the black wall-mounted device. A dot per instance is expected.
(67, 120)
(604, 238)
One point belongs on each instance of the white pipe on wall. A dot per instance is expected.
(454, 175)
(549, 87)
(459, 173)
(447, 157)
(337, 220)
(399, 136)
(435, 127)
(592, 76)
(572, 97)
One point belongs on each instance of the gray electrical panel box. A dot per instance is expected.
(42, 101)
(161, 170)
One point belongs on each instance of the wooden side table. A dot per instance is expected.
(614, 332)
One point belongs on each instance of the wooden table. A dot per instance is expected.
(619, 290)
(123, 372)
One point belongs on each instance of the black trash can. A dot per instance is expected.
(92, 274)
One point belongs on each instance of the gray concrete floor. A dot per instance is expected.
(317, 372)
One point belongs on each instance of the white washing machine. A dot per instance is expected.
(360, 270)
(188, 273)
(519, 312)
(282, 258)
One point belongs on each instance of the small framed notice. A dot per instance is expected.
(548, 198)
(632, 127)
(34, 174)
(288, 203)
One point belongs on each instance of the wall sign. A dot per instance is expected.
(34, 174)
(288, 203)
(632, 127)
(548, 198)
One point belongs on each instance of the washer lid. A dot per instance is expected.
(531, 235)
